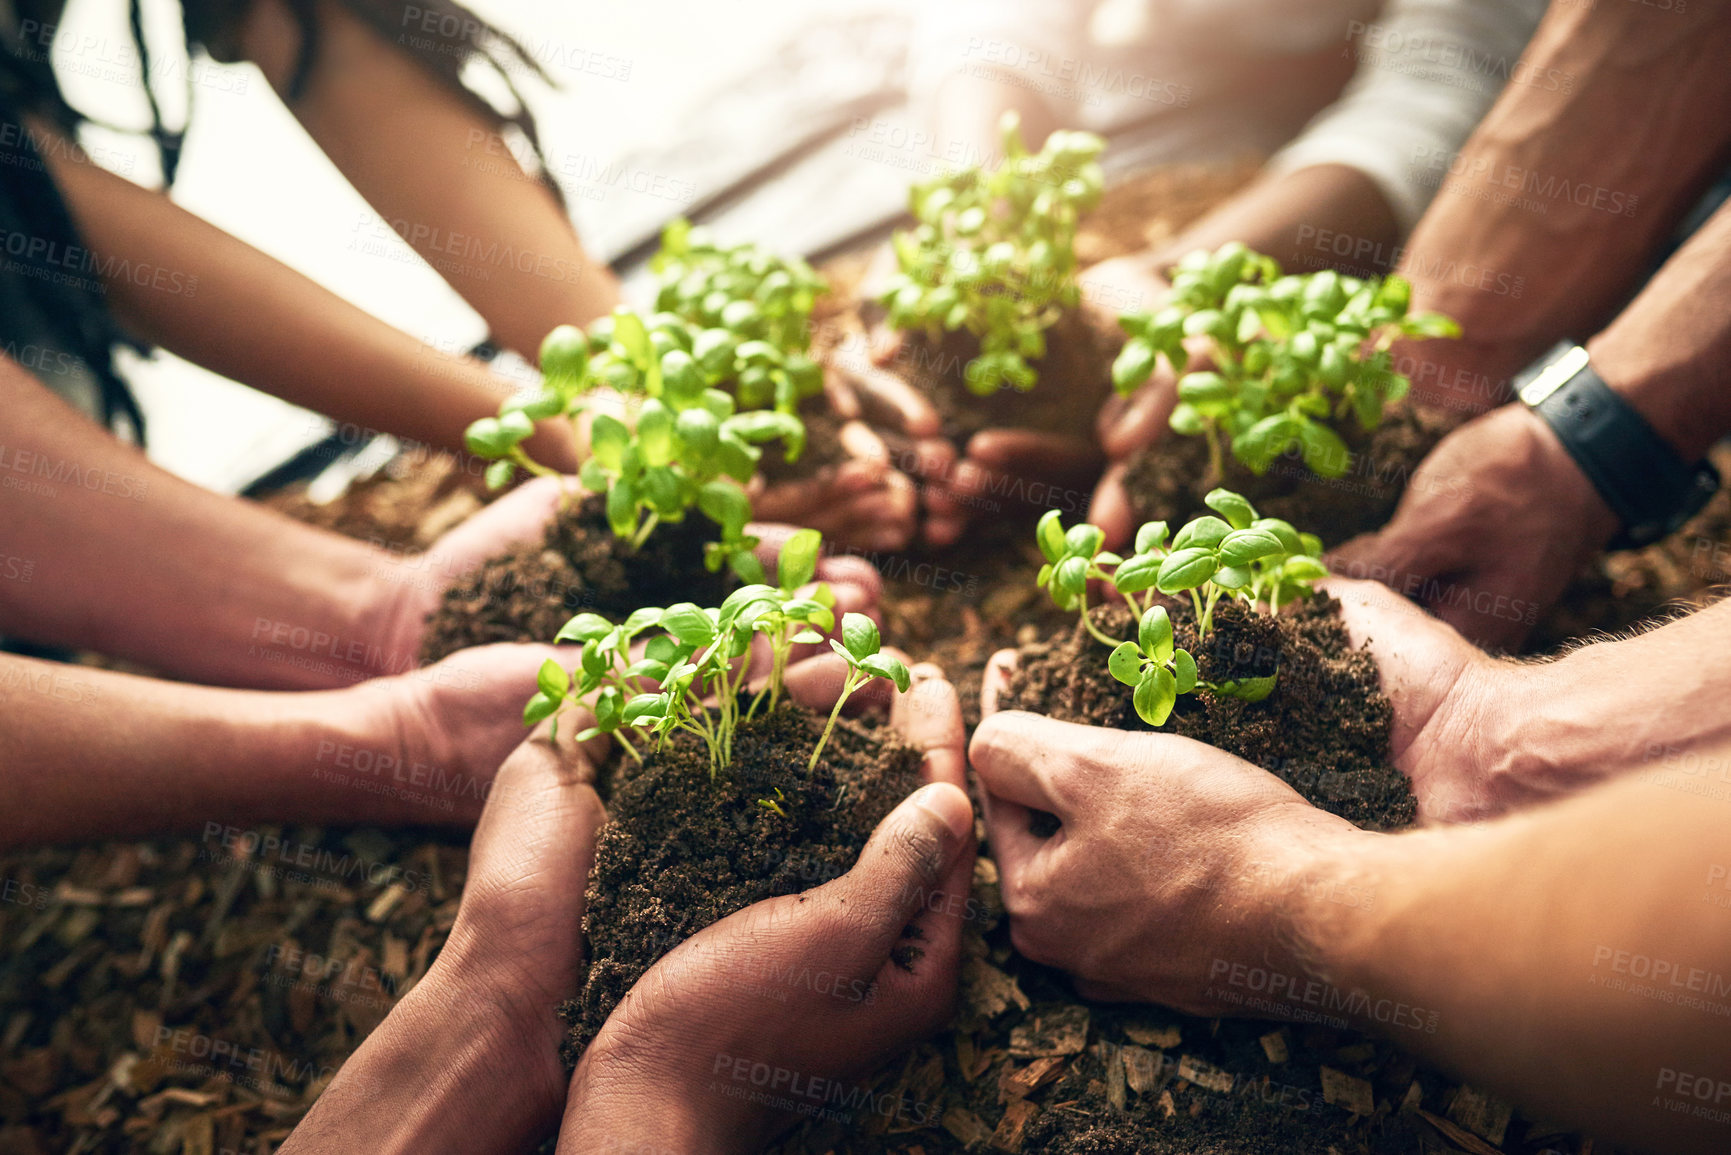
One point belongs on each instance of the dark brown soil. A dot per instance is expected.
(526, 594)
(1075, 379)
(1324, 729)
(823, 447)
(682, 851)
(1168, 481)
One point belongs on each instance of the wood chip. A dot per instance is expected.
(1063, 1031)
(966, 1126)
(387, 901)
(1204, 1075)
(1167, 1107)
(1018, 1084)
(1343, 1090)
(988, 991)
(1413, 1099)
(1459, 1136)
(1483, 1115)
(1013, 1126)
(1275, 1047)
(1162, 1037)
(1142, 1068)
(1116, 1091)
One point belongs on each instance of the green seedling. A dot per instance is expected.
(1260, 561)
(1157, 669)
(1292, 357)
(697, 664)
(995, 253)
(681, 441)
(859, 647)
(751, 293)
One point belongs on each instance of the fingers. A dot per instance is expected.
(884, 398)
(1127, 425)
(929, 718)
(1046, 456)
(520, 516)
(1023, 758)
(911, 856)
(861, 502)
(816, 683)
(996, 679)
(1111, 509)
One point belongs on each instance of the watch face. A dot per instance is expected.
(1555, 372)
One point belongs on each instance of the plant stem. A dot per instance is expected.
(644, 530)
(848, 687)
(1089, 624)
(1216, 459)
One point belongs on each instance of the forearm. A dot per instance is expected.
(129, 560)
(441, 173)
(89, 754)
(1667, 352)
(1652, 703)
(1527, 930)
(230, 308)
(440, 1074)
(1566, 194)
(1300, 218)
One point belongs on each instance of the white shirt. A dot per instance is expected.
(1197, 72)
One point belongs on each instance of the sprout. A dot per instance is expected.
(995, 253)
(859, 648)
(1293, 356)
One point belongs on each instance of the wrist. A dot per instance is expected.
(619, 1103)
(404, 592)
(1665, 389)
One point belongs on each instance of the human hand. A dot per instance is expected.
(1492, 527)
(482, 1025)
(864, 501)
(1172, 857)
(693, 1030)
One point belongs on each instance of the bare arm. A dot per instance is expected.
(223, 304)
(437, 169)
(1567, 193)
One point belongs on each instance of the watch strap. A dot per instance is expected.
(1648, 486)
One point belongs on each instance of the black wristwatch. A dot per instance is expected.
(1650, 489)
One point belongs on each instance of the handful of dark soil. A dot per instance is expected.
(1075, 379)
(527, 593)
(682, 851)
(1324, 730)
(1167, 481)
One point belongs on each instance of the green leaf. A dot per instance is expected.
(884, 666)
(1083, 540)
(655, 432)
(539, 407)
(1126, 663)
(1203, 531)
(1151, 536)
(622, 508)
(1303, 569)
(1187, 420)
(486, 438)
(1137, 574)
(689, 623)
(1249, 689)
(644, 707)
(1186, 569)
(1325, 454)
(798, 562)
(1431, 325)
(1050, 534)
(499, 474)
(1234, 508)
(608, 438)
(584, 628)
(1133, 366)
(725, 503)
(629, 334)
(1154, 634)
(1247, 545)
(1258, 446)
(1289, 539)
(1232, 577)
(539, 708)
(609, 709)
(1184, 671)
(1070, 582)
(564, 354)
(1155, 696)
(1204, 387)
(860, 635)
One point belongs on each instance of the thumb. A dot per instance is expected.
(909, 856)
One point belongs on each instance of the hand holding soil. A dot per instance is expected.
(791, 997)
(1161, 864)
(1493, 526)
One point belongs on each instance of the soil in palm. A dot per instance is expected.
(683, 850)
(1324, 729)
(527, 593)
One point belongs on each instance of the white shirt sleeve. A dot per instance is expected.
(1428, 71)
(1030, 37)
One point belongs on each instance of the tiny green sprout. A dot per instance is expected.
(1154, 666)
(859, 647)
(741, 289)
(774, 805)
(995, 253)
(1232, 553)
(1292, 356)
